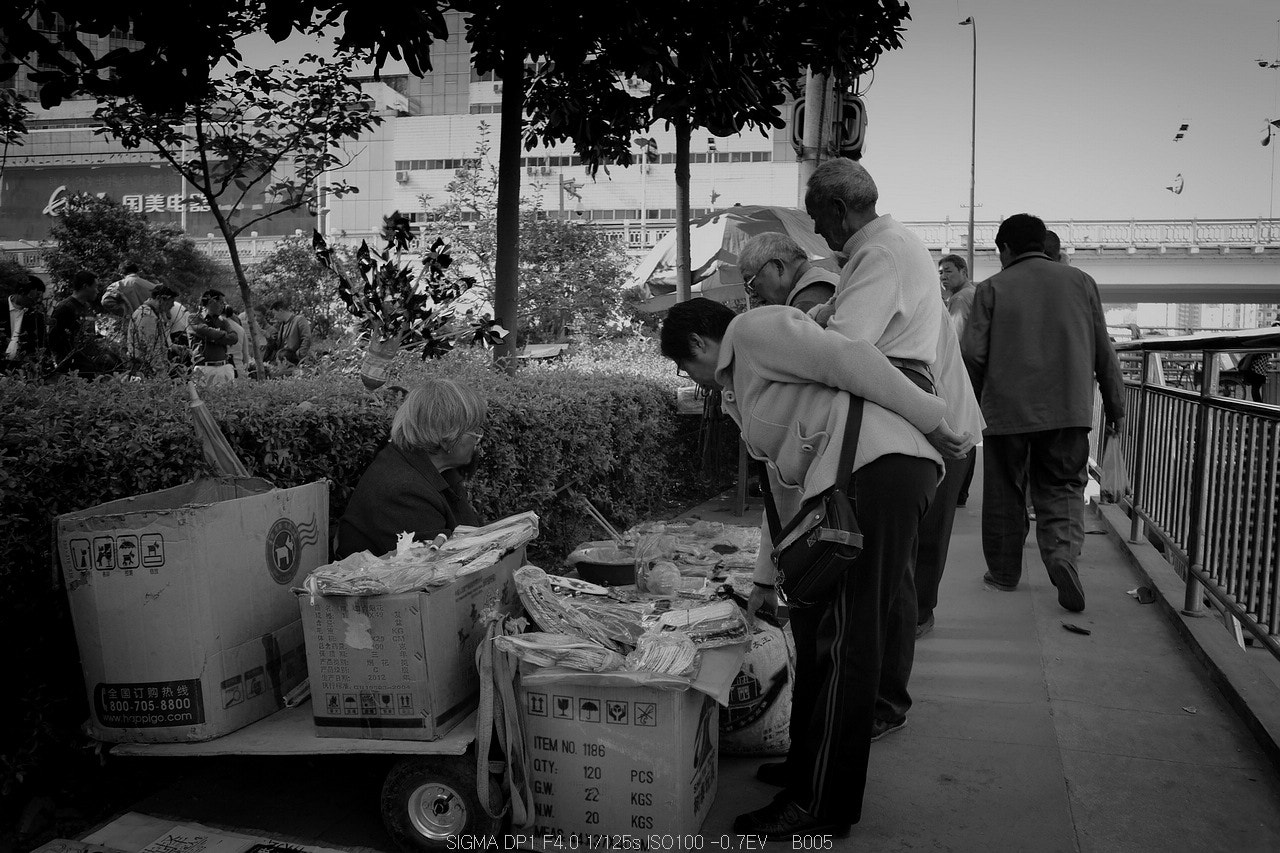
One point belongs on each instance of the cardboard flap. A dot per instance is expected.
(715, 675)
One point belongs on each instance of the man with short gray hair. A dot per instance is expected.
(778, 270)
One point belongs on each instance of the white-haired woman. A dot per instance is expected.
(415, 483)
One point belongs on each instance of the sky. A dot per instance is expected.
(1077, 105)
(1078, 102)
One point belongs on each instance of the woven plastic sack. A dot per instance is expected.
(757, 719)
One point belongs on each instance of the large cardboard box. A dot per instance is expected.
(400, 667)
(182, 606)
(620, 762)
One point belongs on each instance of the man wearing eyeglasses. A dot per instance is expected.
(778, 271)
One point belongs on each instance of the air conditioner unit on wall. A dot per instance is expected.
(402, 177)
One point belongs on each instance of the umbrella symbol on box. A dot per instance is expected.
(588, 711)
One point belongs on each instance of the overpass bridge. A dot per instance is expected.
(1133, 260)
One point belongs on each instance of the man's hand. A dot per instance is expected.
(761, 599)
(951, 444)
(1113, 427)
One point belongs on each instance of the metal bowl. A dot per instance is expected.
(604, 563)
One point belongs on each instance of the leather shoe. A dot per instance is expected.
(783, 819)
(924, 627)
(773, 773)
(880, 728)
(990, 580)
(1070, 592)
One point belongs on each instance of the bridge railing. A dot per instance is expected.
(1205, 479)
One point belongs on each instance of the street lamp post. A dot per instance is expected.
(973, 132)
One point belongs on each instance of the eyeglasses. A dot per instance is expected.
(479, 436)
(749, 283)
(681, 372)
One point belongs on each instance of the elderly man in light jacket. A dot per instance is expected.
(787, 383)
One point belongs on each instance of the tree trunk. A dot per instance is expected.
(250, 318)
(507, 264)
(684, 268)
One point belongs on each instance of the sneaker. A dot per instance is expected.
(924, 627)
(783, 819)
(880, 728)
(1070, 592)
(773, 773)
(992, 583)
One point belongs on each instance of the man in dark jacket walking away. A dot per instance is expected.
(1035, 341)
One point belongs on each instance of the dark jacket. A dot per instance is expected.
(402, 491)
(31, 340)
(71, 335)
(1036, 339)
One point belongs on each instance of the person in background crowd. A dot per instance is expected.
(23, 330)
(1255, 368)
(147, 340)
(290, 339)
(1053, 248)
(240, 355)
(788, 384)
(416, 483)
(71, 328)
(126, 294)
(1035, 341)
(958, 292)
(212, 341)
(778, 271)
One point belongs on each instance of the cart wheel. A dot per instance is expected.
(426, 801)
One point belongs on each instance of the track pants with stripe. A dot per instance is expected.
(860, 646)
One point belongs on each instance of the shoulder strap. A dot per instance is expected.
(848, 452)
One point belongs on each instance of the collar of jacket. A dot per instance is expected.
(420, 462)
(881, 223)
(1026, 255)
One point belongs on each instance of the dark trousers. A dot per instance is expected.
(859, 646)
(935, 536)
(971, 464)
(1053, 465)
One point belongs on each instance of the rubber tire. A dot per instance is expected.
(453, 776)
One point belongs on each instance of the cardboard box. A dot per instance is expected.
(615, 762)
(182, 605)
(400, 667)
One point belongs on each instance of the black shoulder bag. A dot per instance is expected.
(822, 542)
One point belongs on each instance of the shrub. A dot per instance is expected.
(612, 435)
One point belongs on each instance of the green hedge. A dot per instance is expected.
(613, 435)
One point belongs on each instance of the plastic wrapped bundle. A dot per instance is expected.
(571, 652)
(668, 653)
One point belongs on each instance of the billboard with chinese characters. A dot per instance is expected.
(31, 199)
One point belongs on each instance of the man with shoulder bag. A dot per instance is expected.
(792, 388)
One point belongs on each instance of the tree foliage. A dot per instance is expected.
(101, 236)
(292, 273)
(570, 273)
(182, 41)
(269, 133)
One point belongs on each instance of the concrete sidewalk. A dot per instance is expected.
(1028, 737)
(1024, 737)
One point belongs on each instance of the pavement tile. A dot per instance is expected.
(1212, 735)
(1177, 805)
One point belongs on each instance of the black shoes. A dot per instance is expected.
(924, 627)
(880, 728)
(1070, 592)
(783, 819)
(773, 773)
(990, 581)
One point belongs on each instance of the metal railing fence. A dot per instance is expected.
(1205, 479)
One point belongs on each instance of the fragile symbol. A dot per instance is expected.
(80, 549)
(617, 712)
(332, 704)
(562, 708)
